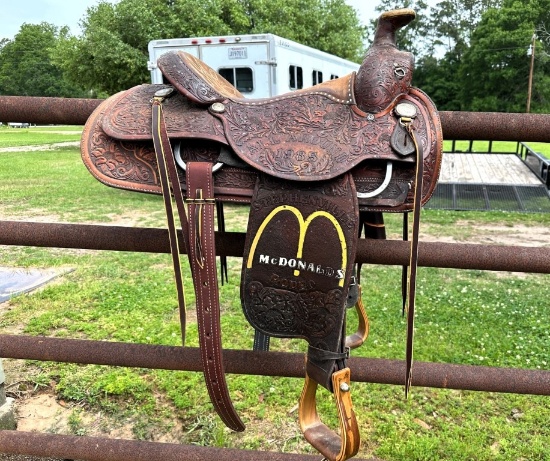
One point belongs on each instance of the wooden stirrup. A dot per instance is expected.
(332, 446)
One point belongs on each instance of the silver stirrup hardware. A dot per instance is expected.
(382, 187)
(181, 163)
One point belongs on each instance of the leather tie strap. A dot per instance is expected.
(413, 264)
(168, 175)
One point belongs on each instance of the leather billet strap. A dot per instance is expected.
(356, 339)
(331, 445)
(198, 240)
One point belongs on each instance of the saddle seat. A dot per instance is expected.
(203, 85)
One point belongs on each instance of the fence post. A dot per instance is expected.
(7, 416)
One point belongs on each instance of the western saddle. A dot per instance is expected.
(317, 166)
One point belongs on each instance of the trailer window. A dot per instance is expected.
(296, 78)
(332, 76)
(239, 77)
(317, 77)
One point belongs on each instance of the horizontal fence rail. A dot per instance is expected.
(46, 111)
(391, 252)
(456, 125)
(494, 126)
(290, 365)
(102, 449)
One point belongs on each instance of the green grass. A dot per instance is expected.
(497, 147)
(63, 189)
(38, 135)
(463, 317)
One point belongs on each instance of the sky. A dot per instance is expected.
(69, 12)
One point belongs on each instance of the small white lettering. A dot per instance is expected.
(301, 265)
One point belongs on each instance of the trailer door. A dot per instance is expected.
(245, 65)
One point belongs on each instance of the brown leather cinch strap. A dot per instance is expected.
(198, 239)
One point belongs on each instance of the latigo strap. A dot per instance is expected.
(198, 237)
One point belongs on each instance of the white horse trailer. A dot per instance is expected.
(259, 66)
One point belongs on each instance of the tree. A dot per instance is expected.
(26, 68)
(454, 22)
(438, 78)
(111, 54)
(439, 38)
(495, 69)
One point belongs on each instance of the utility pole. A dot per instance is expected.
(530, 88)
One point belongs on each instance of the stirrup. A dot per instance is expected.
(356, 339)
(332, 446)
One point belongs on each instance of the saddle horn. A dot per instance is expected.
(386, 72)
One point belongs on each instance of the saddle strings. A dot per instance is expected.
(413, 262)
(168, 175)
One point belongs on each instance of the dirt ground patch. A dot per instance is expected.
(517, 235)
(53, 146)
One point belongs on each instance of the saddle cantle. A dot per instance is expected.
(315, 166)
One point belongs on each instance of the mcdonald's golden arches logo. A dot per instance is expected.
(304, 225)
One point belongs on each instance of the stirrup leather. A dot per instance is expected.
(332, 446)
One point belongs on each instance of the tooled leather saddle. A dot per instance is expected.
(316, 166)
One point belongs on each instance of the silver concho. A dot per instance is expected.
(405, 109)
(217, 107)
(164, 92)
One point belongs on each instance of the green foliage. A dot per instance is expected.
(438, 78)
(499, 53)
(111, 55)
(26, 66)
(472, 54)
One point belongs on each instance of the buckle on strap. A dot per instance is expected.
(332, 446)
(359, 337)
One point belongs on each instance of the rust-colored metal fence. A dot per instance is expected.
(456, 125)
